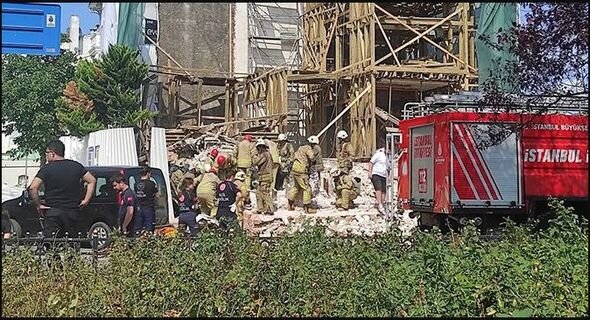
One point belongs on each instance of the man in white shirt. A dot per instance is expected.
(378, 175)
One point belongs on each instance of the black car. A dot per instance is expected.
(101, 214)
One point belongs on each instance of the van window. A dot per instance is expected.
(162, 201)
(103, 190)
(132, 183)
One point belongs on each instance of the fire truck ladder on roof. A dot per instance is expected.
(472, 102)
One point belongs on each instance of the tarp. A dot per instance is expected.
(130, 24)
(493, 17)
(109, 21)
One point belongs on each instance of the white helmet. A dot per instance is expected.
(342, 134)
(241, 176)
(282, 137)
(313, 139)
(334, 172)
(260, 142)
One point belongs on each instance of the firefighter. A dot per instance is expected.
(246, 152)
(348, 191)
(286, 154)
(335, 174)
(276, 163)
(344, 152)
(212, 156)
(244, 199)
(304, 160)
(221, 164)
(316, 172)
(263, 164)
(176, 176)
(206, 187)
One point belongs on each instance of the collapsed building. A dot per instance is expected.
(225, 69)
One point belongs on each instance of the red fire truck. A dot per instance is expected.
(461, 166)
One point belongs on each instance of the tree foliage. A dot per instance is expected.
(75, 111)
(112, 82)
(95, 7)
(551, 47)
(30, 87)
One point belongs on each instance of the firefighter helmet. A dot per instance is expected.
(214, 152)
(313, 140)
(260, 142)
(241, 176)
(220, 160)
(282, 137)
(342, 134)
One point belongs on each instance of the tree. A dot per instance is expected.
(65, 38)
(551, 68)
(30, 87)
(112, 82)
(95, 7)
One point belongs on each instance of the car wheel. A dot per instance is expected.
(100, 230)
(16, 228)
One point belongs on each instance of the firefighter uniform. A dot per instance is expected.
(318, 167)
(263, 160)
(243, 200)
(286, 154)
(246, 152)
(276, 163)
(206, 189)
(349, 190)
(344, 156)
(176, 178)
(228, 165)
(304, 158)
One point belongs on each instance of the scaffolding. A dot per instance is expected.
(380, 50)
(352, 66)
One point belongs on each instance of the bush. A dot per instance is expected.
(429, 274)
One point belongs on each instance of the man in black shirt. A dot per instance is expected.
(63, 191)
(227, 193)
(127, 206)
(147, 192)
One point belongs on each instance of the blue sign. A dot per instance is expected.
(31, 28)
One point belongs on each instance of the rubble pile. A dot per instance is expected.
(193, 153)
(362, 220)
(335, 224)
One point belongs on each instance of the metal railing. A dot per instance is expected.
(473, 102)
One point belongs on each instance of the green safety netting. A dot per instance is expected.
(130, 24)
(493, 17)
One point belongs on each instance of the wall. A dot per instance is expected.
(12, 169)
(197, 36)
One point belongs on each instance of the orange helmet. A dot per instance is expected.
(220, 160)
(214, 152)
(248, 137)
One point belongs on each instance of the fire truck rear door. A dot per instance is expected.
(485, 166)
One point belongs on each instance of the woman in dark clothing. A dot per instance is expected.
(227, 194)
(186, 201)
